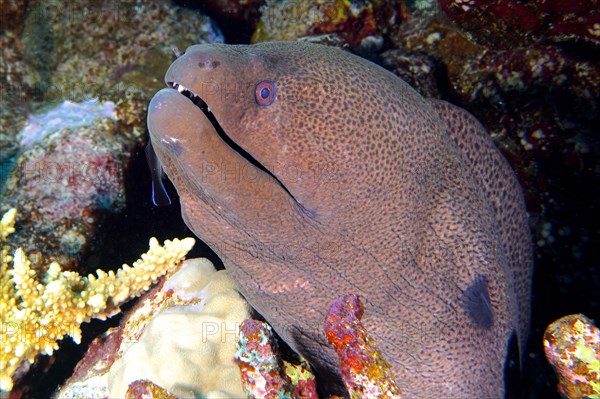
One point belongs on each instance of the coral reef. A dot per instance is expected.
(572, 346)
(518, 23)
(528, 70)
(418, 70)
(362, 24)
(189, 321)
(76, 79)
(68, 181)
(89, 49)
(36, 313)
(264, 373)
(538, 98)
(144, 389)
(365, 372)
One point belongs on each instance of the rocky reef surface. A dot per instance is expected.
(75, 81)
(76, 78)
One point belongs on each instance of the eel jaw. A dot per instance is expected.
(196, 99)
(200, 103)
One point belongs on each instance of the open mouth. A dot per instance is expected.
(200, 103)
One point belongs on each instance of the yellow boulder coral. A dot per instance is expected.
(35, 314)
(195, 335)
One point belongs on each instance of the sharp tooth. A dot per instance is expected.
(208, 108)
(180, 88)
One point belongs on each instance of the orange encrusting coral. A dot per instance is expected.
(572, 346)
(365, 372)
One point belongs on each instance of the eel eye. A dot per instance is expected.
(265, 93)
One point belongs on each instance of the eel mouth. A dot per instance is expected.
(200, 103)
(196, 99)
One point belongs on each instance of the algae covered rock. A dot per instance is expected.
(77, 82)
(67, 180)
(93, 49)
(363, 24)
(572, 346)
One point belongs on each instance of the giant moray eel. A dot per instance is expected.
(314, 173)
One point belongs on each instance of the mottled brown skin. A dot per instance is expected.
(402, 200)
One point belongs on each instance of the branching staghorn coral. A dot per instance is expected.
(36, 314)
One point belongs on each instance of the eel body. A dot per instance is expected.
(314, 173)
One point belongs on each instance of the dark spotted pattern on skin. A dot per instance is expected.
(399, 199)
(496, 179)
